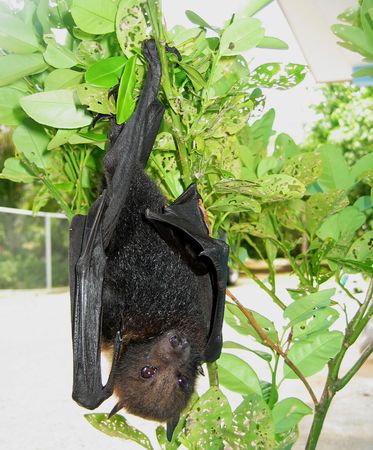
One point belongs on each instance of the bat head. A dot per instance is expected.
(155, 379)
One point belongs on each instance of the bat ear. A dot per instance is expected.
(171, 425)
(116, 408)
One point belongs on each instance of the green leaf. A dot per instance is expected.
(31, 140)
(336, 173)
(342, 226)
(273, 43)
(62, 79)
(96, 17)
(233, 203)
(237, 376)
(57, 55)
(117, 426)
(263, 355)
(41, 199)
(362, 165)
(14, 67)
(106, 73)
(16, 36)
(277, 75)
(288, 413)
(230, 73)
(354, 37)
(306, 167)
(208, 419)
(125, 101)
(305, 306)
(320, 320)
(241, 35)
(130, 26)
(60, 138)
(362, 248)
(10, 111)
(270, 188)
(353, 266)
(322, 205)
(311, 355)
(194, 76)
(15, 171)
(236, 319)
(96, 99)
(255, 6)
(197, 20)
(362, 203)
(56, 109)
(252, 426)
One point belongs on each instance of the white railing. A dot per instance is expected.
(48, 237)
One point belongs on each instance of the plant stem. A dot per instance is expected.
(260, 283)
(212, 369)
(155, 17)
(333, 384)
(267, 341)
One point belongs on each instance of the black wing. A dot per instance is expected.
(182, 226)
(130, 145)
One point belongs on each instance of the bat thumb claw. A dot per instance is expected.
(200, 370)
(116, 408)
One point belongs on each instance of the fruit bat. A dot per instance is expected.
(147, 281)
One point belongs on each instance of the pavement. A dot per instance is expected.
(37, 412)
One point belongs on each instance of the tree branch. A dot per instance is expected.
(267, 341)
(347, 377)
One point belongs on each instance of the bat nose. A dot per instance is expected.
(179, 343)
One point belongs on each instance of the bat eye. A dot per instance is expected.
(182, 382)
(148, 371)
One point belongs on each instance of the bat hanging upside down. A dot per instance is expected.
(147, 281)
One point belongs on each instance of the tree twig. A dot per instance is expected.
(267, 341)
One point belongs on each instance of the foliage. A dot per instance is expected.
(345, 118)
(356, 33)
(22, 252)
(213, 133)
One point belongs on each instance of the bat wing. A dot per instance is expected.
(90, 235)
(183, 227)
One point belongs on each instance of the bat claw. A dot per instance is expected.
(200, 370)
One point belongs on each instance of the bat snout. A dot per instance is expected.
(178, 343)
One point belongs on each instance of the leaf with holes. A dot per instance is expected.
(362, 248)
(117, 426)
(130, 25)
(208, 419)
(252, 426)
(305, 306)
(232, 203)
(96, 99)
(322, 205)
(312, 354)
(306, 167)
(276, 75)
(321, 319)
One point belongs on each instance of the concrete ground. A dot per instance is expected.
(37, 412)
